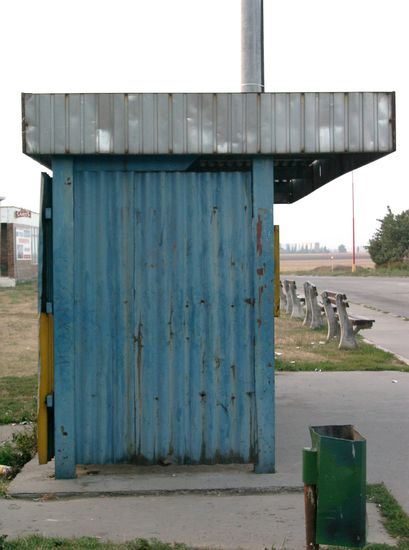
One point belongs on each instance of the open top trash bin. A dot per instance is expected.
(336, 464)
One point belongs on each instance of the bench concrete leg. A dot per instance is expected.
(283, 299)
(298, 310)
(332, 321)
(289, 305)
(307, 293)
(347, 339)
(316, 317)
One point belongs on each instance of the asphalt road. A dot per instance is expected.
(387, 294)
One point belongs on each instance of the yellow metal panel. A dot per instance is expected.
(276, 271)
(46, 383)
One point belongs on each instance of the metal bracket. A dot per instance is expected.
(49, 401)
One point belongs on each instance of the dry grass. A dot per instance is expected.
(18, 330)
(295, 342)
(300, 348)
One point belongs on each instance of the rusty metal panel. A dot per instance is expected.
(164, 316)
(222, 123)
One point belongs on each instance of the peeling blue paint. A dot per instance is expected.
(164, 325)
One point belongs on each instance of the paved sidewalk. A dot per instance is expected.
(246, 521)
(243, 509)
(389, 332)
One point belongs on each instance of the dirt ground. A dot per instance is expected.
(18, 331)
(290, 263)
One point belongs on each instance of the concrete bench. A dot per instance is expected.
(295, 302)
(340, 323)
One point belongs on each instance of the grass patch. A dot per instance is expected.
(15, 453)
(336, 271)
(19, 294)
(18, 330)
(18, 395)
(299, 348)
(36, 542)
(394, 518)
(342, 271)
(19, 450)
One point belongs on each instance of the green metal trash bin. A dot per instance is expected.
(336, 464)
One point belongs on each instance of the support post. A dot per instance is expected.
(45, 414)
(63, 280)
(263, 234)
(310, 497)
(310, 504)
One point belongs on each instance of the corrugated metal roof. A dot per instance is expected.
(208, 124)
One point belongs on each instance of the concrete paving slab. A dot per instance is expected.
(246, 521)
(35, 481)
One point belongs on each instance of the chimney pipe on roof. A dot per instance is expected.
(252, 46)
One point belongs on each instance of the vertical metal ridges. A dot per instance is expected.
(251, 123)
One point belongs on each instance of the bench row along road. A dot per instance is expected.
(385, 299)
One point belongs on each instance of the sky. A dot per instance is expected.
(194, 46)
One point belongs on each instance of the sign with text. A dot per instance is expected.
(22, 213)
(23, 244)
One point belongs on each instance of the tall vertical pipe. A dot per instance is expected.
(353, 225)
(252, 46)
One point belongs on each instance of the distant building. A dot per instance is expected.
(304, 248)
(18, 243)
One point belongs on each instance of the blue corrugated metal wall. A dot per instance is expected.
(164, 316)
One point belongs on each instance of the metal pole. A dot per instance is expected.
(310, 476)
(310, 504)
(353, 225)
(252, 46)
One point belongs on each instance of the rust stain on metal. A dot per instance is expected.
(250, 301)
(259, 323)
(260, 271)
(260, 294)
(259, 230)
(139, 341)
(171, 333)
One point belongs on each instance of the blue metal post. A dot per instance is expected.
(263, 234)
(63, 278)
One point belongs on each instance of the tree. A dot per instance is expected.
(390, 243)
(342, 248)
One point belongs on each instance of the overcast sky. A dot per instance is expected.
(194, 46)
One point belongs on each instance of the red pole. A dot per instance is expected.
(353, 225)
